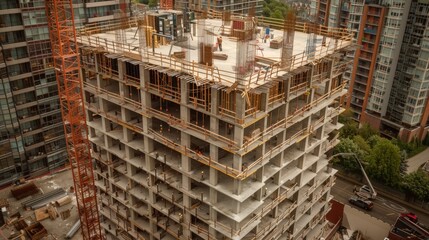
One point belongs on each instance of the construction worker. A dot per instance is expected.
(219, 43)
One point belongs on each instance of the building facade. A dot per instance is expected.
(388, 81)
(195, 144)
(32, 139)
(233, 6)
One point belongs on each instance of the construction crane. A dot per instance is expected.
(364, 191)
(66, 62)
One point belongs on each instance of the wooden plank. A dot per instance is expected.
(41, 214)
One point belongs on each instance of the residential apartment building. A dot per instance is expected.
(233, 6)
(388, 81)
(195, 144)
(333, 13)
(31, 130)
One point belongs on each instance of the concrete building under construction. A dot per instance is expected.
(192, 142)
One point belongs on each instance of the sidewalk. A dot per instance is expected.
(416, 161)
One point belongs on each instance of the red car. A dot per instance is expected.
(410, 216)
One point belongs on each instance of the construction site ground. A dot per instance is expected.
(58, 228)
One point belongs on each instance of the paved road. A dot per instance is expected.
(416, 161)
(384, 209)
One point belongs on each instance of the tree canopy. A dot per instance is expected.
(384, 162)
(417, 183)
(347, 145)
(274, 9)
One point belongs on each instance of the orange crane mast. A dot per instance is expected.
(67, 70)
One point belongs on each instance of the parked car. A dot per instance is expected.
(362, 203)
(411, 216)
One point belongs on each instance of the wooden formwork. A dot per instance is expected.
(200, 96)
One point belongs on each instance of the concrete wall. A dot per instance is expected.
(371, 228)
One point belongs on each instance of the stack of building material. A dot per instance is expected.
(23, 191)
(36, 231)
(43, 200)
(276, 43)
(220, 56)
(41, 214)
(63, 201)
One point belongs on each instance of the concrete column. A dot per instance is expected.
(104, 121)
(237, 210)
(214, 155)
(144, 76)
(121, 70)
(214, 100)
(264, 101)
(286, 83)
(183, 92)
(128, 136)
(145, 99)
(149, 148)
(185, 141)
(240, 108)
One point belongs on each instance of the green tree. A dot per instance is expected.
(349, 130)
(153, 3)
(266, 11)
(363, 145)
(349, 164)
(346, 116)
(404, 164)
(274, 9)
(417, 184)
(366, 131)
(373, 140)
(277, 14)
(385, 162)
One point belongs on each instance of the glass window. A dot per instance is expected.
(12, 37)
(10, 20)
(34, 17)
(9, 4)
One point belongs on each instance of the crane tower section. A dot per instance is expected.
(67, 64)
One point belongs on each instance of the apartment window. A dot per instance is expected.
(37, 33)
(34, 17)
(10, 20)
(51, 119)
(45, 77)
(17, 145)
(101, 11)
(79, 13)
(31, 4)
(37, 165)
(9, 4)
(47, 92)
(12, 37)
(15, 53)
(24, 98)
(18, 69)
(409, 109)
